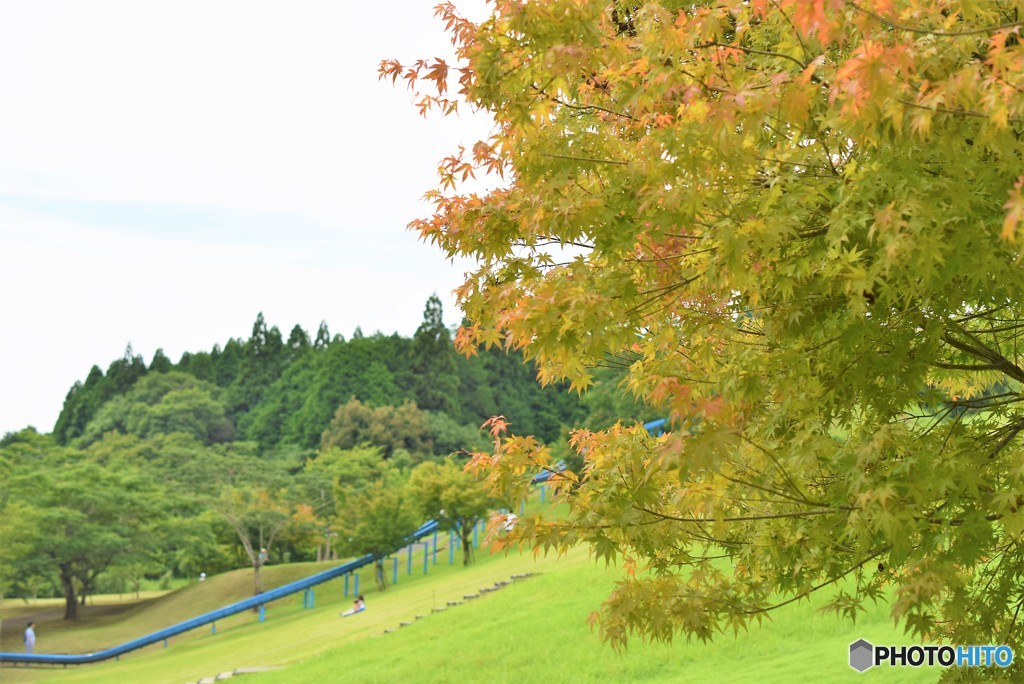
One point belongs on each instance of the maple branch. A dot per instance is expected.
(801, 165)
(778, 465)
(978, 350)
(966, 366)
(1005, 328)
(661, 291)
(1012, 430)
(552, 241)
(828, 156)
(955, 522)
(985, 402)
(801, 500)
(597, 107)
(746, 518)
(1016, 614)
(953, 112)
(789, 21)
(672, 258)
(586, 159)
(559, 474)
(929, 32)
(703, 535)
(803, 594)
(703, 84)
(982, 314)
(606, 363)
(752, 51)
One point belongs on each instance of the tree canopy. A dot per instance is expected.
(73, 520)
(797, 225)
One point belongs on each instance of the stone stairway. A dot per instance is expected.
(467, 597)
(234, 673)
(451, 604)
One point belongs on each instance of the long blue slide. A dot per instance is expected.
(248, 604)
(425, 529)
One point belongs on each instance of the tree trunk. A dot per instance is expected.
(466, 535)
(378, 574)
(257, 582)
(67, 581)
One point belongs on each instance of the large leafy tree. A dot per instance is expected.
(70, 520)
(457, 500)
(254, 496)
(798, 224)
(375, 517)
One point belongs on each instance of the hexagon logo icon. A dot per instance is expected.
(862, 655)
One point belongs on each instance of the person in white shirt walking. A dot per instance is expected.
(30, 637)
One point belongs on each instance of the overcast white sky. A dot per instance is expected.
(168, 170)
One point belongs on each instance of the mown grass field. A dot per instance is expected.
(534, 630)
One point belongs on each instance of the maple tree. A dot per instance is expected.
(798, 225)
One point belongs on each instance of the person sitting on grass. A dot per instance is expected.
(358, 606)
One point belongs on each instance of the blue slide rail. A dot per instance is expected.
(248, 604)
(656, 427)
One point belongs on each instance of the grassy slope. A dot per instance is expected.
(534, 630)
(107, 622)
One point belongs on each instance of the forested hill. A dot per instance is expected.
(278, 390)
(275, 448)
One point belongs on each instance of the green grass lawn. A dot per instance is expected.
(534, 630)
